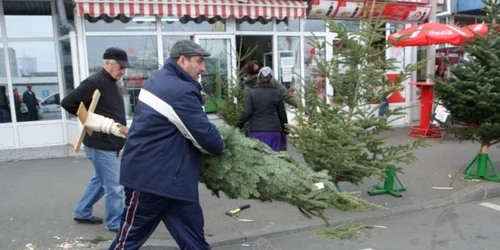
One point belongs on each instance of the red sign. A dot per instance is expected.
(320, 8)
(350, 9)
(316, 2)
(396, 96)
(399, 12)
(410, 1)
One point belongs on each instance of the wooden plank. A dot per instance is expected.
(95, 99)
(82, 113)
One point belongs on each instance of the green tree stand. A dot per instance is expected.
(481, 163)
(392, 184)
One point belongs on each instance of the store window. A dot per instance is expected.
(288, 24)
(120, 23)
(67, 70)
(143, 55)
(3, 70)
(34, 75)
(465, 20)
(5, 113)
(186, 23)
(247, 24)
(288, 61)
(351, 26)
(314, 25)
(312, 73)
(29, 26)
(218, 70)
(169, 41)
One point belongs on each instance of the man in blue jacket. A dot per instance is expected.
(160, 163)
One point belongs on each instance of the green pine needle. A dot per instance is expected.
(344, 232)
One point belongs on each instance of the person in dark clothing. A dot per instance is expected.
(17, 104)
(102, 149)
(29, 98)
(265, 109)
(249, 70)
(253, 80)
(161, 159)
(287, 96)
(4, 106)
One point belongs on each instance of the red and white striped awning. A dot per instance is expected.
(194, 8)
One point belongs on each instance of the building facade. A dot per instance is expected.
(52, 45)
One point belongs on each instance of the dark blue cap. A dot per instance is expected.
(117, 54)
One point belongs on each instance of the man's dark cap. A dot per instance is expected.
(187, 48)
(117, 54)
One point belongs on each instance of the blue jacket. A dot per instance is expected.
(168, 134)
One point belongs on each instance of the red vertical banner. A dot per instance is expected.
(395, 97)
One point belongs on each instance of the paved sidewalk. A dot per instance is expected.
(39, 196)
(39, 153)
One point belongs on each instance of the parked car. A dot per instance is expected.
(50, 107)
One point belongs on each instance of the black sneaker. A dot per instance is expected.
(91, 220)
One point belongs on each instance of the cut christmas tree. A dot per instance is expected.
(249, 169)
(472, 95)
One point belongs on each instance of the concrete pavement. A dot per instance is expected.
(39, 196)
(466, 226)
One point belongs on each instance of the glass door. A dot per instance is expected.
(220, 67)
(289, 55)
(312, 72)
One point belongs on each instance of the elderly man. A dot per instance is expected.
(160, 163)
(102, 148)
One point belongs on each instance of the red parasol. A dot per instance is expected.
(429, 34)
(475, 29)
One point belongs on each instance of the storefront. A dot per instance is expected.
(55, 44)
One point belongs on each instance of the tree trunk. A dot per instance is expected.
(484, 148)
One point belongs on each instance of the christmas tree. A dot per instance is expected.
(472, 94)
(234, 100)
(249, 169)
(343, 135)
